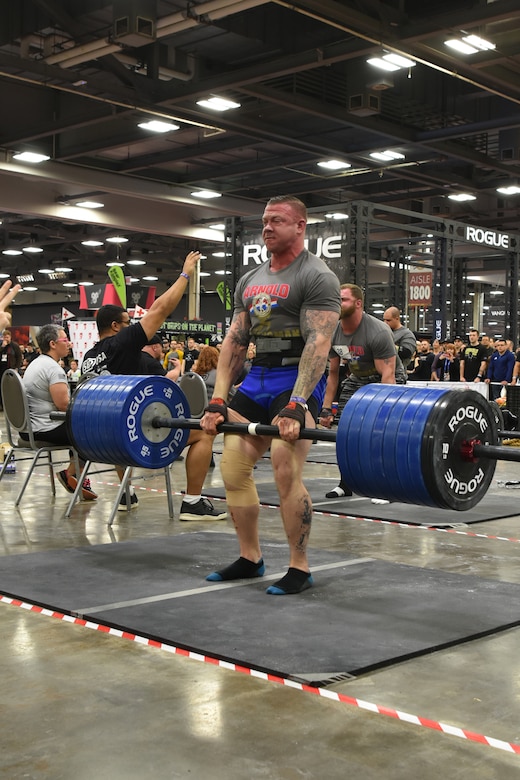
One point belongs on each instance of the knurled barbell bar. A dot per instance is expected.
(430, 446)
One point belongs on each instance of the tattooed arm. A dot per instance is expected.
(230, 364)
(386, 367)
(317, 329)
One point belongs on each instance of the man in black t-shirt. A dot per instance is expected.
(119, 351)
(473, 359)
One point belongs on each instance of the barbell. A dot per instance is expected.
(429, 446)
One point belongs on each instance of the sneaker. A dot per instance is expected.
(69, 483)
(202, 510)
(133, 501)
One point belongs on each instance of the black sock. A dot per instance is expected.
(294, 581)
(239, 570)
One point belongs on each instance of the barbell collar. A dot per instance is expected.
(253, 429)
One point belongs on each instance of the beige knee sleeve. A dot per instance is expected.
(236, 467)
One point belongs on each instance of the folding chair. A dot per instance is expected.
(194, 388)
(18, 420)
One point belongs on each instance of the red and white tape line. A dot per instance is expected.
(406, 717)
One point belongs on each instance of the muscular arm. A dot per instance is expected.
(317, 329)
(232, 355)
(332, 382)
(386, 367)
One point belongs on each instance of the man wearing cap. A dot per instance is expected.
(151, 360)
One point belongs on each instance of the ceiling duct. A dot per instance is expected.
(364, 104)
(135, 22)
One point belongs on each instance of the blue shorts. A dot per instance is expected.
(265, 391)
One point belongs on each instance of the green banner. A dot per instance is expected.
(117, 278)
(224, 293)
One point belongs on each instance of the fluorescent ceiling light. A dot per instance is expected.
(204, 273)
(218, 226)
(150, 278)
(218, 104)
(4, 276)
(223, 273)
(462, 196)
(117, 240)
(63, 269)
(334, 165)
(91, 242)
(90, 204)
(29, 289)
(69, 284)
(221, 254)
(387, 156)
(378, 62)
(460, 46)
(31, 157)
(136, 262)
(45, 270)
(12, 252)
(399, 60)
(337, 215)
(155, 126)
(115, 262)
(32, 249)
(496, 292)
(207, 194)
(480, 43)
(513, 189)
(133, 279)
(86, 284)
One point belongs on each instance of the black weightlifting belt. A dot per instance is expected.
(274, 352)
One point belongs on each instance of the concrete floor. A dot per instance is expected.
(79, 704)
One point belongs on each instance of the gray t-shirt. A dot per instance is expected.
(275, 300)
(39, 375)
(406, 344)
(371, 341)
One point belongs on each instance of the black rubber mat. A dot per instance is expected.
(360, 615)
(492, 507)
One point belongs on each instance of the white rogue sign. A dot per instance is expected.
(327, 248)
(488, 237)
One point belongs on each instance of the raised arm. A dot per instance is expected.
(168, 301)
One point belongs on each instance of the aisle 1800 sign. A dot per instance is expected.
(420, 289)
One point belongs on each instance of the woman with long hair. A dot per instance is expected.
(206, 367)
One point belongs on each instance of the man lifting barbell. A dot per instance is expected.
(289, 306)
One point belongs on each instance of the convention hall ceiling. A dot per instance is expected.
(78, 77)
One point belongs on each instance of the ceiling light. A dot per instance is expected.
(221, 254)
(460, 46)
(399, 60)
(86, 284)
(115, 262)
(479, 43)
(387, 156)
(378, 62)
(337, 215)
(133, 280)
(155, 126)
(496, 292)
(63, 269)
(25, 278)
(117, 240)
(33, 249)
(45, 270)
(218, 104)
(218, 226)
(334, 165)
(204, 273)
(31, 157)
(4, 276)
(136, 262)
(29, 289)
(513, 189)
(69, 284)
(223, 273)
(462, 196)
(92, 242)
(90, 204)
(12, 252)
(207, 194)
(150, 278)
